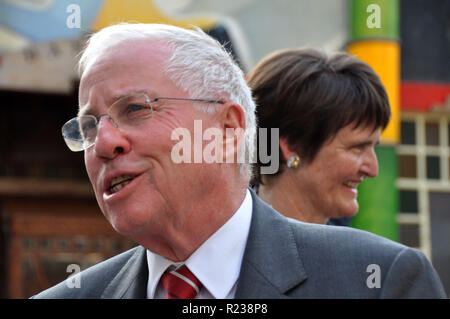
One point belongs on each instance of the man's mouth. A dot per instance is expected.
(119, 182)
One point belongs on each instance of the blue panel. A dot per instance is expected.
(48, 23)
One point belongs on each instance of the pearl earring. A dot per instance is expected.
(293, 162)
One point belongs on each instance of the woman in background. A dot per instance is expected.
(330, 111)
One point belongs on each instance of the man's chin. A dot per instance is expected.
(123, 225)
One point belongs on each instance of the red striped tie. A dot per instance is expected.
(180, 284)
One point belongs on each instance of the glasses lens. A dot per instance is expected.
(79, 133)
(131, 111)
(72, 136)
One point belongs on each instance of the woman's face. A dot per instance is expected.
(329, 182)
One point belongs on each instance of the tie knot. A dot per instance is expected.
(180, 284)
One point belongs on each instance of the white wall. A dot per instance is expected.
(268, 25)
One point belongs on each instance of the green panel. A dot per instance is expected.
(378, 199)
(364, 24)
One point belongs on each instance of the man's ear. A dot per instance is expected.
(233, 125)
(286, 149)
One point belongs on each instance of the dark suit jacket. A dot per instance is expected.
(285, 258)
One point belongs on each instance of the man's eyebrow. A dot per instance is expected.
(86, 109)
(150, 93)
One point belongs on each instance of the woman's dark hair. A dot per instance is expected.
(310, 96)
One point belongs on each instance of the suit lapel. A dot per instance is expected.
(131, 281)
(271, 265)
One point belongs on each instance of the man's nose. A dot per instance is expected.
(110, 140)
(370, 164)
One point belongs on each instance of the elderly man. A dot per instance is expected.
(202, 232)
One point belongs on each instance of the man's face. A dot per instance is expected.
(158, 201)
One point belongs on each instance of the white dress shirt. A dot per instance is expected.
(216, 263)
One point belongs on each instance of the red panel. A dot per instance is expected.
(421, 96)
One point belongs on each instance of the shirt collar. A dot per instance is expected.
(217, 262)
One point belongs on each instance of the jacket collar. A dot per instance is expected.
(272, 264)
(131, 281)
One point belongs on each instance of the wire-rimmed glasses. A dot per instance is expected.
(128, 112)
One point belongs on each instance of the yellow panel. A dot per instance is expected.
(384, 58)
(141, 11)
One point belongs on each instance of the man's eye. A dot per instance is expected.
(87, 126)
(136, 112)
(135, 108)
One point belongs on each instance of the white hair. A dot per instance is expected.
(199, 65)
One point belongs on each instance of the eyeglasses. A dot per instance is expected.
(127, 113)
